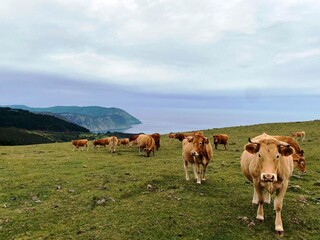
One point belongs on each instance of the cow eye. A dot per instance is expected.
(277, 156)
(259, 155)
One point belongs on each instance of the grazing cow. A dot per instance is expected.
(220, 139)
(156, 137)
(181, 136)
(80, 143)
(101, 142)
(297, 135)
(123, 142)
(267, 163)
(196, 150)
(298, 159)
(146, 143)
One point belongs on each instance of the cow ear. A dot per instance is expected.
(252, 147)
(189, 138)
(206, 140)
(285, 150)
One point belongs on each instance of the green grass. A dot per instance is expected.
(48, 191)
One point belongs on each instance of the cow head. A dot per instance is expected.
(199, 145)
(269, 153)
(216, 138)
(148, 151)
(299, 162)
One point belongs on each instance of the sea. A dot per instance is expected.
(180, 120)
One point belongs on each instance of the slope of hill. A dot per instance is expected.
(127, 196)
(18, 127)
(95, 118)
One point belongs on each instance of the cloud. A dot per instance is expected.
(113, 68)
(165, 46)
(283, 58)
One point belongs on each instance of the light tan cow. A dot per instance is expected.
(113, 142)
(268, 164)
(145, 143)
(197, 151)
(297, 135)
(299, 160)
(80, 143)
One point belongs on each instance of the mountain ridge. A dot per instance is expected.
(94, 118)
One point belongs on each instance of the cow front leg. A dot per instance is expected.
(185, 165)
(255, 199)
(259, 193)
(194, 170)
(278, 202)
(198, 176)
(204, 172)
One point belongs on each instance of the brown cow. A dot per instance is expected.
(220, 139)
(181, 136)
(80, 143)
(298, 159)
(145, 143)
(101, 142)
(133, 138)
(171, 136)
(123, 142)
(297, 135)
(156, 137)
(196, 150)
(267, 162)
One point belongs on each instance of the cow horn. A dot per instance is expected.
(249, 140)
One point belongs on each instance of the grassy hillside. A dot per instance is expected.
(20, 127)
(51, 192)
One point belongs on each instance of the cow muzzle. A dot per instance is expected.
(268, 177)
(194, 153)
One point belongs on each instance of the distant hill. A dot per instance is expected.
(94, 118)
(19, 127)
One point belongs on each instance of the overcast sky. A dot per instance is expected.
(118, 53)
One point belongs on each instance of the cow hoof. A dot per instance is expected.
(280, 233)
